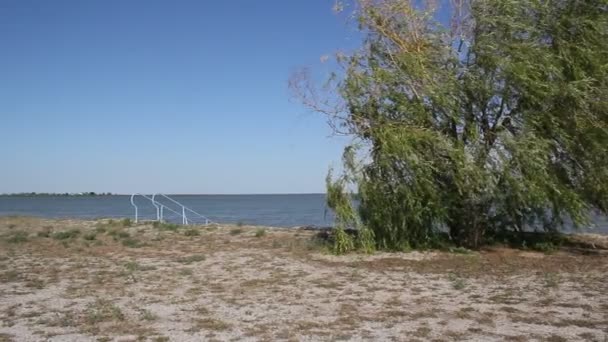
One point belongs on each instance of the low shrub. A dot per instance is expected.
(459, 250)
(103, 311)
(123, 235)
(89, 236)
(191, 259)
(64, 235)
(545, 247)
(260, 232)
(165, 226)
(132, 243)
(192, 232)
(44, 234)
(17, 237)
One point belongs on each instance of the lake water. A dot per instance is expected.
(268, 210)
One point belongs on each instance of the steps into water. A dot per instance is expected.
(164, 205)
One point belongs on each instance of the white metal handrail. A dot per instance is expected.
(184, 209)
(160, 208)
(148, 198)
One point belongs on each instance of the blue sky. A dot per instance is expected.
(163, 96)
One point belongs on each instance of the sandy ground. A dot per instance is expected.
(65, 280)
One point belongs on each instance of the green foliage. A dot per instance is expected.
(457, 282)
(343, 242)
(551, 279)
(459, 250)
(90, 236)
(132, 266)
(132, 243)
(102, 311)
(260, 232)
(191, 259)
(123, 235)
(192, 232)
(111, 224)
(346, 216)
(236, 231)
(113, 232)
(545, 247)
(17, 237)
(498, 123)
(44, 234)
(165, 226)
(68, 234)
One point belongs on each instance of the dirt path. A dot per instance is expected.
(63, 280)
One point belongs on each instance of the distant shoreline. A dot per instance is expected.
(66, 194)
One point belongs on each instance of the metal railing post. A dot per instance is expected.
(133, 204)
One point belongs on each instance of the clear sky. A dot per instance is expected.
(163, 96)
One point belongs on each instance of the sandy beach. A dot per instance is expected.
(71, 280)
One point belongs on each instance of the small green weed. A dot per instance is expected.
(147, 315)
(260, 232)
(165, 226)
(457, 282)
(185, 272)
(192, 232)
(89, 236)
(65, 235)
(459, 250)
(44, 234)
(545, 247)
(132, 266)
(132, 243)
(236, 231)
(191, 259)
(123, 235)
(9, 276)
(551, 279)
(103, 311)
(17, 237)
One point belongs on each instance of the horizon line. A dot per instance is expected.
(87, 193)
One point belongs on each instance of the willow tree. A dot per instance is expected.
(495, 121)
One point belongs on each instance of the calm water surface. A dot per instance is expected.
(267, 210)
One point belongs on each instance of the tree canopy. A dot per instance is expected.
(493, 122)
